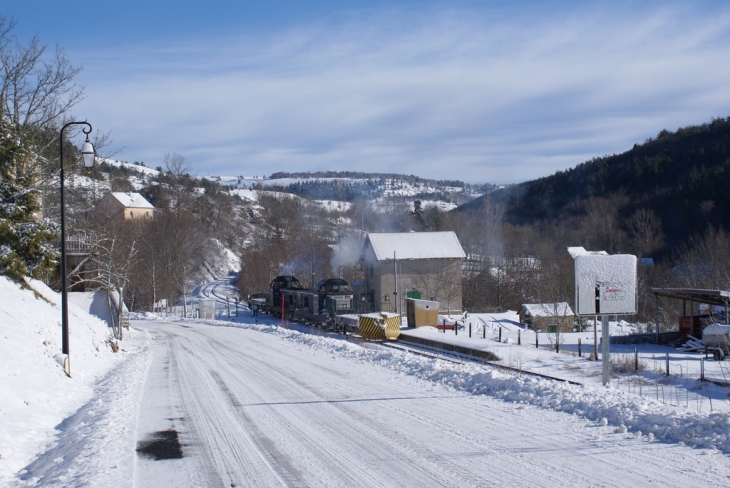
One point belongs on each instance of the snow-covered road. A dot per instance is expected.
(194, 403)
(251, 408)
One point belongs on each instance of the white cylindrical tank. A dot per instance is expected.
(716, 335)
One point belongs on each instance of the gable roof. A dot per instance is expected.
(416, 245)
(132, 200)
(559, 309)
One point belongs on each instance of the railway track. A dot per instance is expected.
(427, 351)
(463, 358)
(213, 290)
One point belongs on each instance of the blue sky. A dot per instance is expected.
(461, 90)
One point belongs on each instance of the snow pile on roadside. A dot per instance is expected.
(642, 416)
(147, 316)
(94, 446)
(35, 394)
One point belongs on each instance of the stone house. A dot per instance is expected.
(420, 265)
(125, 206)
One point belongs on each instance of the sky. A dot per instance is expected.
(477, 91)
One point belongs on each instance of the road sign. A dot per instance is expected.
(605, 284)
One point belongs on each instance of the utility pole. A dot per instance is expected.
(395, 282)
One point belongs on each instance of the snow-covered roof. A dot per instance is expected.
(132, 200)
(548, 309)
(580, 251)
(416, 245)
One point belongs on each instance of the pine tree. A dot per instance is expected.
(26, 241)
(418, 214)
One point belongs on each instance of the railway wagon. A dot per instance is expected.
(330, 297)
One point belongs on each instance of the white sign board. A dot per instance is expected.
(207, 309)
(605, 284)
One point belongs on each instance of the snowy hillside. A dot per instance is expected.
(35, 394)
(373, 188)
(136, 167)
(333, 194)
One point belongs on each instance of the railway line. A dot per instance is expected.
(431, 351)
(219, 290)
(462, 358)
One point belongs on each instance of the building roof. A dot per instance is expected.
(559, 309)
(712, 297)
(132, 200)
(416, 245)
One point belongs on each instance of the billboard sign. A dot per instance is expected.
(605, 284)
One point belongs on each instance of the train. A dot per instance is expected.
(318, 306)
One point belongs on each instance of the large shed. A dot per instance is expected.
(420, 265)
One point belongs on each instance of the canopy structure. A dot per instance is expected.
(693, 295)
(711, 297)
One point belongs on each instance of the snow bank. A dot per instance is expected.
(643, 416)
(95, 302)
(35, 394)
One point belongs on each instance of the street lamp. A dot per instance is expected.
(87, 151)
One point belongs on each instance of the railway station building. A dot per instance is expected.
(421, 265)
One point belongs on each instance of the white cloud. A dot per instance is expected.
(444, 94)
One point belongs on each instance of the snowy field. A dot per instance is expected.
(680, 388)
(252, 404)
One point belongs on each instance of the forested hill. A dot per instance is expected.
(683, 176)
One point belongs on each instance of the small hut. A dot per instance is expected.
(547, 317)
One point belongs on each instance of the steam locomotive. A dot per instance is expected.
(329, 298)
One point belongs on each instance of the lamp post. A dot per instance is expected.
(87, 151)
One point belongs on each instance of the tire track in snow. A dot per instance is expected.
(612, 451)
(380, 439)
(223, 441)
(280, 462)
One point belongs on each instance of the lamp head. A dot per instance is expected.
(87, 152)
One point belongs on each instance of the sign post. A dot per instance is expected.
(604, 285)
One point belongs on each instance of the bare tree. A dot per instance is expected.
(176, 164)
(556, 286)
(704, 262)
(438, 283)
(179, 249)
(115, 254)
(35, 91)
(601, 228)
(645, 228)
